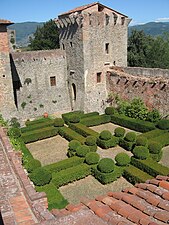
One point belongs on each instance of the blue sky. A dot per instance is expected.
(141, 11)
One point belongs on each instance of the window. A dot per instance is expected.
(122, 20)
(99, 77)
(71, 44)
(63, 46)
(52, 81)
(107, 48)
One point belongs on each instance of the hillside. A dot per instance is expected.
(152, 28)
(24, 31)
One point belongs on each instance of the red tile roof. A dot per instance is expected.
(145, 204)
(81, 8)
(7, 22)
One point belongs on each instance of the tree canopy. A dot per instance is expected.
(147, 51)
(45, 37)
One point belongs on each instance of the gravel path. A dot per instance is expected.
(49, 150)
(90, 187)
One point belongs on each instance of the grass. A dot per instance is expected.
(55, 198)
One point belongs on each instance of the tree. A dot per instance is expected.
(45, 37)
(147, 51)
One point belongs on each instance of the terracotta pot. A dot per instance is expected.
(45, 115)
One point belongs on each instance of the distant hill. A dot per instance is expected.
(152, 28)
(24, 31)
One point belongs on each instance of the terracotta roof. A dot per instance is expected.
(7, 22)
(81, 8)
(145, 203)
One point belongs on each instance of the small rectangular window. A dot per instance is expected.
(99, 77)
(52, 81)
(71, 44)
(107, 48)
(63, 46)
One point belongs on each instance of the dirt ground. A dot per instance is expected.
(90, 187)
(49, 150)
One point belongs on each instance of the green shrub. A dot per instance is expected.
(39, 134)
(70, 134)
(135, 175)
(130, 136)
(93, 148)
(122, 159)
(150, 166)
(14, 132)
(162, 139)
(74, 144)
(83, 130)
(68, 116)
(141, 141)
(95, 120)
(86, 115)
(37, 126)
(92, 158)
(106, 178)
(141, 152)
(74, 119)
(154, 147)
(90, 141)
(128, 145)
(153, 133)
(153, 116)
(163, 124)
(105, 135)
(131, 123)
(40, 176)
(14, 123)
(58, 122)
(37, 121)
(157, 157)
(119, 132)
(64, 164)
(106, 165)
(32, 164)
(55, 198)
(107, 143)
(110, 110)
(71, 174)
(82, 150)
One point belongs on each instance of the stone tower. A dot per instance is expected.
(7, 105)
(94, 38)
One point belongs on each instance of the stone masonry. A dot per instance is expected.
(93, 41)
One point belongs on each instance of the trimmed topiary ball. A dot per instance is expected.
(163, 124)
(105, 135)
(141, 141)
(119, 132)
(58, 122)
(141, 152)
(122, 159)
(14, 132)
(106, 165)
(40, 176)
(130, 136)
(82, 150)
(154, 147)
(32, 164)
(74, 119)
(92, 158)
(90, 141)
(110, 110)
(73, 145)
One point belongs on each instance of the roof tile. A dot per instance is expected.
(164, 205)
(166, 195)
(160, 177)
(162, 216)
(154, 181)
(164, 184)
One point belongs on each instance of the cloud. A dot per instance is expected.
(134, 22)
(162, 19)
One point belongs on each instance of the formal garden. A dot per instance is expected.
(82, 153)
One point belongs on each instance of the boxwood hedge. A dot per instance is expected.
(83, 130)
(96, 120)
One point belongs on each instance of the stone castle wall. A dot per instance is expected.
(151, 85)
(32, 74)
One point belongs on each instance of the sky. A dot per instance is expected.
(140, 11)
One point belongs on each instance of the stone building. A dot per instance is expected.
(78, 76)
